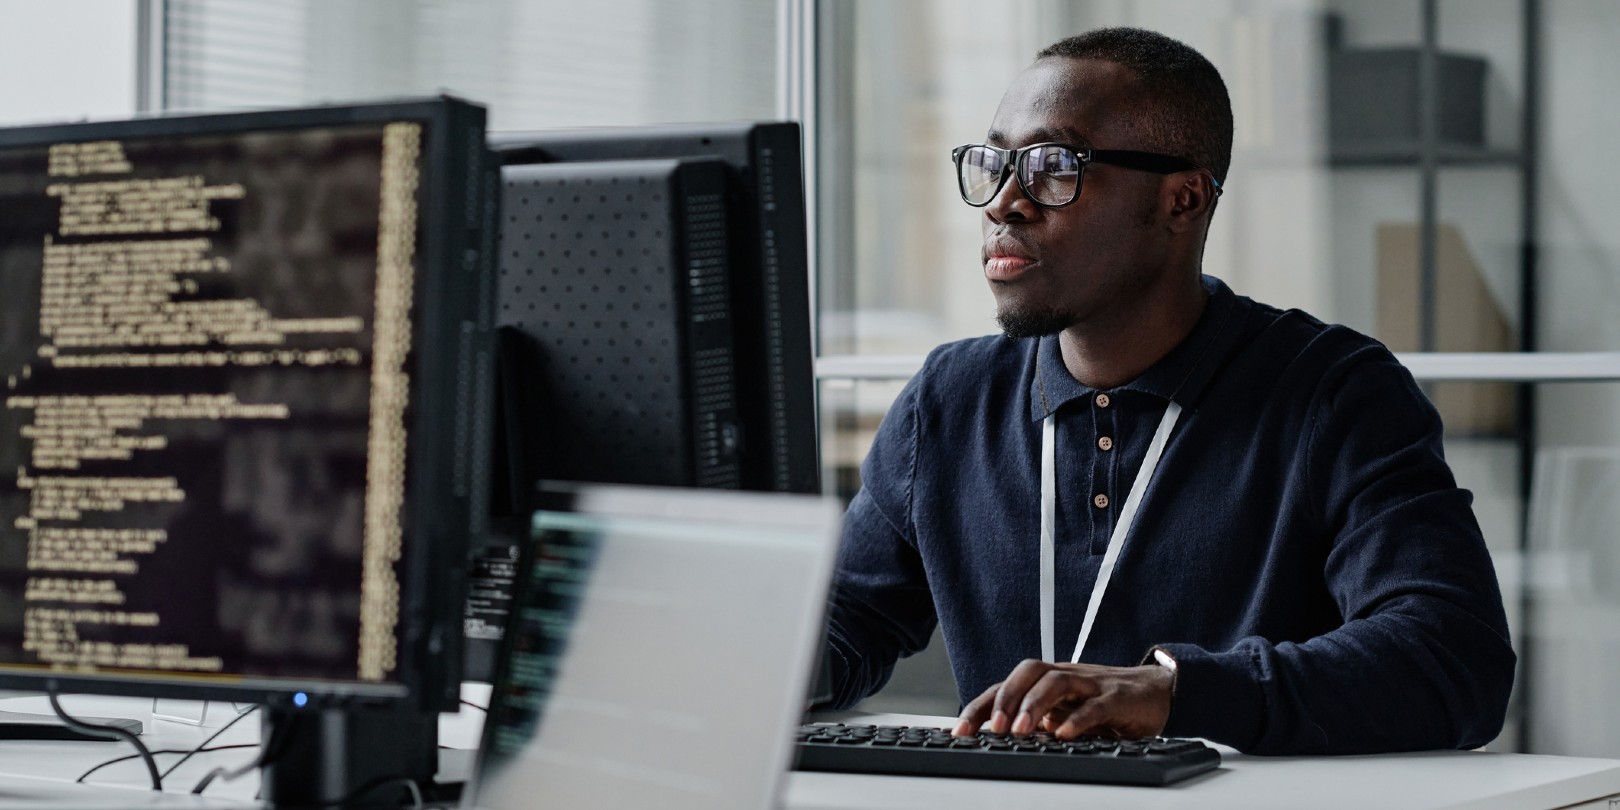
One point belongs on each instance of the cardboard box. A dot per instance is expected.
(1467, 318)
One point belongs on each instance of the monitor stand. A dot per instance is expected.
(318, 757)
(25, 726)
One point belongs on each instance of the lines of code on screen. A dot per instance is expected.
(204, 367)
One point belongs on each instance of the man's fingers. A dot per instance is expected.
(1009, 700)
(1072, 699)
(976, 712)
(1054, 692)
(1088, 718)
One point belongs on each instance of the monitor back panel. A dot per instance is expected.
(615, 275)
(770, 279)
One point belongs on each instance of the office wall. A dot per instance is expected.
(66, 60)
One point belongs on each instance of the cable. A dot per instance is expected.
(109, 731)
(211, 738)
(465, 702)
(375, 784)
(186, 751)
(272, 749)
(378, 784)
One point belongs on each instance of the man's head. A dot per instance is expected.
(1132, 233)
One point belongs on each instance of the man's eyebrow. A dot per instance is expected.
(996, 137)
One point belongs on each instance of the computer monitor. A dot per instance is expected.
(759, 169)
(244, 375)
(724, 590)
(654, 320)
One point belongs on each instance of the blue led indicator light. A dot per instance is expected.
(299, 698)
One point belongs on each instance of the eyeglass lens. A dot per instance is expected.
(1049, 174)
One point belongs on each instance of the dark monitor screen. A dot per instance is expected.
(238, 421)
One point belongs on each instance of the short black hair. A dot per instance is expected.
(1182, 107)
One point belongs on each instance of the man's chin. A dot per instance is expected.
(1016, 324)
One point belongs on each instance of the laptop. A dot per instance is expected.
(659, 650)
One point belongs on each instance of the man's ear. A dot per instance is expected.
(1192, 195)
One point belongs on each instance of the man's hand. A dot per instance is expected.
(1069, 700)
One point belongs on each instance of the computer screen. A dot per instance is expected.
(243, 365)
(659, 649)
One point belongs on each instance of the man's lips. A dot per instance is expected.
(1005, 258)
(1005, 267)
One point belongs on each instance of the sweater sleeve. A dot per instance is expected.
(1422, 660)
(880, 608)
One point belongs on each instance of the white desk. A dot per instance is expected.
(1435, 779)
(1475, 781)
(127, 783)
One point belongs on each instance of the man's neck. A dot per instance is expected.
(1108, 355)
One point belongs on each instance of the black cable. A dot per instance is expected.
(465, 702)
(211, 738)
(187, 751)
(272, 749)
(109, 731)
(378, 784)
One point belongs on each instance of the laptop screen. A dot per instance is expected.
(658, 651)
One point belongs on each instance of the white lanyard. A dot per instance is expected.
(1127, 516)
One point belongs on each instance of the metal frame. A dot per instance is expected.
(151, 38)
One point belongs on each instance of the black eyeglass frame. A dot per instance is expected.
(1124, 158)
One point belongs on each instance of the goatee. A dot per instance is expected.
(1032, 324)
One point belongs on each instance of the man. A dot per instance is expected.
(1155, 506)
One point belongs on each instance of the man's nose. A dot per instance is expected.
(1011, 204)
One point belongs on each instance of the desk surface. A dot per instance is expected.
(129, 782)
(1431, 779)
(1439, 779)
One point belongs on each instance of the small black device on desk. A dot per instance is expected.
(1039, 757)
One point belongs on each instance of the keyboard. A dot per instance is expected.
(1039, 757)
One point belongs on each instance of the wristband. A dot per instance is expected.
(1163, 658)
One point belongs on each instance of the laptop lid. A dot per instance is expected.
(659, 650)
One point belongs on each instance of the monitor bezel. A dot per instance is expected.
(449, 349)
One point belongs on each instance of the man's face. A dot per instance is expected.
(1094, 259)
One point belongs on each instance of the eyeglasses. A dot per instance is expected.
(1048, 173)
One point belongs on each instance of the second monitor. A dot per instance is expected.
(725, 217)
(654, 324)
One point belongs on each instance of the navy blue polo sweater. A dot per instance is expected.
(1303, 551)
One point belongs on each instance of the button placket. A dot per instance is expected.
(1105, 474)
